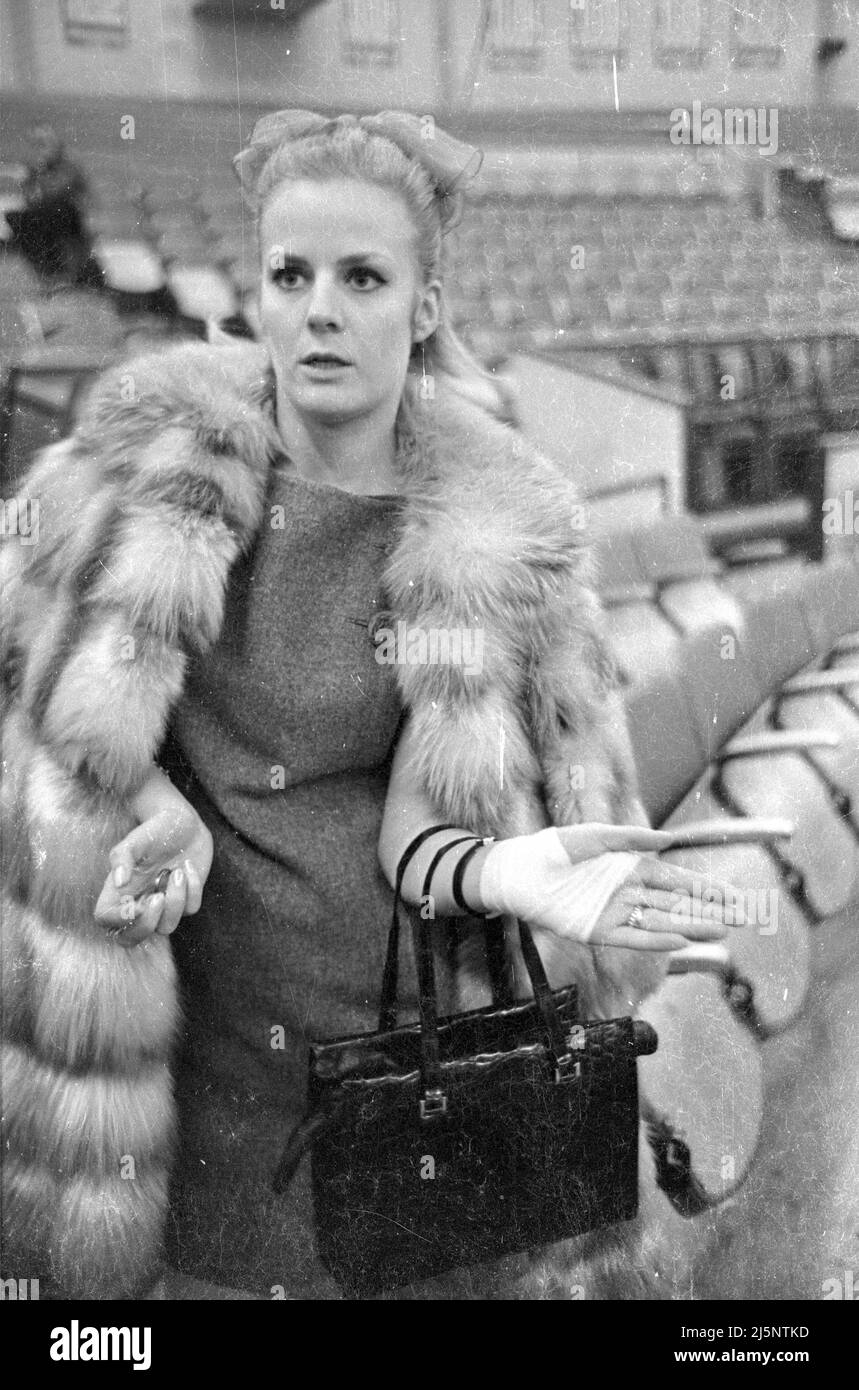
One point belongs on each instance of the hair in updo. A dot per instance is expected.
(349, 151)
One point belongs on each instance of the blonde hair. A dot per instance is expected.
(350, 151)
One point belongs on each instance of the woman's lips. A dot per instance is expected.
(324, 364)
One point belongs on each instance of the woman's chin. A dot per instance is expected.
(327, 402)
(331, 404)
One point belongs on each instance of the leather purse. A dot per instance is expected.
(450, 1142)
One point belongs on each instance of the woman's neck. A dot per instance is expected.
(357, 455)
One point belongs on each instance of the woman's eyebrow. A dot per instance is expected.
(356, 258)
(361, 257)
(287, 257)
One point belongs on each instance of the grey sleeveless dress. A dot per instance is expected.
(284, 734)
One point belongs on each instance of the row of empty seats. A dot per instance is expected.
(605, 270)
(742, 692)
(647, 259)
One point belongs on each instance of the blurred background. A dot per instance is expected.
(698, 296)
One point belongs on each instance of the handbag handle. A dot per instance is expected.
(390, 975)
(434, 1102)
(493, 940)
(559, 1047)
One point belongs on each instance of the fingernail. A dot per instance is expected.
(121, 875)
(157, 901)
(161, 881)
(177, 878)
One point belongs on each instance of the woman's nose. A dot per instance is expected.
(324, 310)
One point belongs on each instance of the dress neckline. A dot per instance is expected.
(284, 469)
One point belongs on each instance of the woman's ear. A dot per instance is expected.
(428, 312)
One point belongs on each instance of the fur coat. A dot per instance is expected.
(141, 516)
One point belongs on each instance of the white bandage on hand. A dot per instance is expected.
(533, 877)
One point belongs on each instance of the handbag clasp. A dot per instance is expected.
(433, 1103)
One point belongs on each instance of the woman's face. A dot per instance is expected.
(341, 300)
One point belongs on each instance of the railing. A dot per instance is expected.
(759, 404)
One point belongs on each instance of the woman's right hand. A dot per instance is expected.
(582, 882)
(171, 844)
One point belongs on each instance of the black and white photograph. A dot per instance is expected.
(429, 815)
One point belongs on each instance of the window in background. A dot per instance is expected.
(599, 32)
(515, 36)
(370, 32)
(681, 33)
(96, 22)
(758, 36)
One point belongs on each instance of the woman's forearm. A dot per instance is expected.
(156, 794)
(408, 812)
(437, 897)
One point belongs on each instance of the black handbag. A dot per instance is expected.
(450, 1142)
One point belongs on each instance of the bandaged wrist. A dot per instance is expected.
(532, 877)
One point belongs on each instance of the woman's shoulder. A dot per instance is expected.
(486, 473)
(193, 411)
(157, 491)
(183, 383)
(489, 515)
(168, 445)
(473, 444)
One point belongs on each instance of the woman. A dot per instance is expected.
(244, 540)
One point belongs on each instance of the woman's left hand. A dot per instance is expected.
(675, 906)
(158, 871)
(597, 884)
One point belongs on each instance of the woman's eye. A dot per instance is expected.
(364, 278)
(287, 277)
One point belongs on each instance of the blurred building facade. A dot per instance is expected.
(535, 55)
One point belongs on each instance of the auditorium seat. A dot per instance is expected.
(133, 274)
(780, 639)
(184, 244)
(771, 952)
(837, 711)
(762, 546)
(702, 1089)
(620, 576)
(37, 403)
(175, 189)
(118, 222)
(674, 556)
(664, 742)
(709, 746)
(201, 293)
(823, 849)
(643, 640)
(762, 774)
(722, 685)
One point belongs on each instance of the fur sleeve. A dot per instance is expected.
(580, 724)
(495, 550)
(141, 515)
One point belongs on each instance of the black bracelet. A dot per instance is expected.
(459, 874)
(412, 848)
(451, 844)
